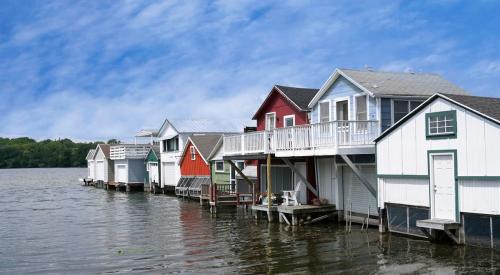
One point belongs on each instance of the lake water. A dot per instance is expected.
(51, 224)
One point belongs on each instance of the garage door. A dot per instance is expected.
(121, 173)
(169, 174)
(99, 172)
(356, 193)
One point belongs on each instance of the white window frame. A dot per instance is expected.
(345, 98)
(192, 152)
(217, 170)
(356, 106)
(329, 101)
(266, 127)
(288, 116)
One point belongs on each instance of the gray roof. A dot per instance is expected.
(205, 143)
(394, 84)
(489, 106)
(300, 96)
(191, 125)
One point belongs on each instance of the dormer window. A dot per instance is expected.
(441, 125)
(193, 152)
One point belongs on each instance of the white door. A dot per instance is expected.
(168, 174)
(121, 173)
(99, 170)
(443, 186)
(153, 172)
(301, 166)
(91, 170)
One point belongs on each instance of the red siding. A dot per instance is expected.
(196, 167)
(279, 104)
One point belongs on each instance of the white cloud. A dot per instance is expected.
(98, 70)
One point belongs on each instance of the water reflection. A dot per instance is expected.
(51, 224)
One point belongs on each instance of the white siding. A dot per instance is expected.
(101, 166)
(479, 196)
(404, 191)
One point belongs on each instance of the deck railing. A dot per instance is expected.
(129, 151)
(304, 137)
(327, 134)
(249, 143)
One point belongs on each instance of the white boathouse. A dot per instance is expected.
(438, 171)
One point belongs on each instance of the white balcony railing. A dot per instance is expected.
(129, 151)
(249, 143)
(327, 134)
(304, 137)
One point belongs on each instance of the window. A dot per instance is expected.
(270, 121)
(173, 144)
(324, 111)
(289, 121)
(402, 107)
(164, 145)
(219, 166)
(240, 165)
(361, 110)
(342, 110)
(193, 152)
(441, 124)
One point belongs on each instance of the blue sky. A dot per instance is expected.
(93, 70)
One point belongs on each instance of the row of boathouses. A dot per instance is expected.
(411, 153)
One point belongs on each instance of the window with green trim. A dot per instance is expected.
(441, 124)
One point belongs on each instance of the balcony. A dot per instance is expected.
(128, 151)
(249, 143)
(328, 138)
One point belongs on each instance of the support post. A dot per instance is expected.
(358, 173)
(297, 172)
(269, 189)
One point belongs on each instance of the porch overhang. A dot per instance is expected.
(245, 157)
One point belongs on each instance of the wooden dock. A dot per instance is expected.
(297, 214)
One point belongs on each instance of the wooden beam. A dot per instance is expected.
(297, 172)
(269, 186)
(356, 171)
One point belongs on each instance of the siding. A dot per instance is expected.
(196, 167)
(221, 177)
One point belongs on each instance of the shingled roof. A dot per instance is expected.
(489, 106)
(205, 143)
(300, 97)
(380, 83)
(396, 83)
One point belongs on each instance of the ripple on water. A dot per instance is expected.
(51, 224)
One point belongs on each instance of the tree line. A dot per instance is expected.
(28, 153)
